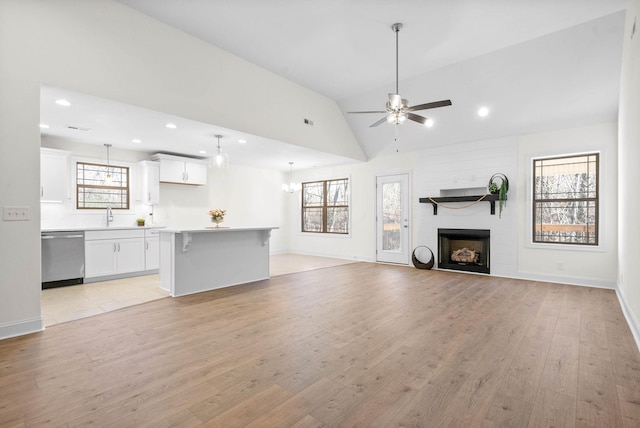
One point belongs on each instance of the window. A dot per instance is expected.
(565, 200)
(100, 186)
(325, 206)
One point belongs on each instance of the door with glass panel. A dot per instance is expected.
(392, 218)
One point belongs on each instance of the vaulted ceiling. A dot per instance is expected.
(537, 65)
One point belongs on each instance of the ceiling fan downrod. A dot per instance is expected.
(396, 29)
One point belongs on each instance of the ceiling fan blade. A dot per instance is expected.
(435, 104)
(377, 111)
(417, 118)
(383, 120)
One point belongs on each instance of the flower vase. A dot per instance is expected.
(217, 221)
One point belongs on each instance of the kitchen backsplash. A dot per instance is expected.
(57, 215)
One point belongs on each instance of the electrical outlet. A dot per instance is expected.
(16, 213)
(559, 265)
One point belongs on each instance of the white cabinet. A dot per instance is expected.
(152, 249)
(99, 258)
(114, 252)
(196, 173)
(176, 169)
(53, 175)
(149, 182)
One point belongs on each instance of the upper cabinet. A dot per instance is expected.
(150, 182)
(176, 169)
(53, 175)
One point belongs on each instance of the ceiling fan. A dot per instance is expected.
(398, 109)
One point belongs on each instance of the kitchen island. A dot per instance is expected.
(196, 260)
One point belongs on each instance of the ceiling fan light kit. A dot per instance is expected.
(397, 108)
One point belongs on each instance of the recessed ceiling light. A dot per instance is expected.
(203, 152)
(136, 140)
(242, 141)
(483, 111)
(171, 125)
(429, 123)
(44, 126)
(63, 102)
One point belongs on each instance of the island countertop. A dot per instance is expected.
(215, 229)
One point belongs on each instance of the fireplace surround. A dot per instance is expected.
(464, 250)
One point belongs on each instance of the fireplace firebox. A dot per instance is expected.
(464, 249)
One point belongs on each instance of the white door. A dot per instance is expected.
(392, 218)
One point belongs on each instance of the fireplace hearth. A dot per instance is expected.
(464, 249)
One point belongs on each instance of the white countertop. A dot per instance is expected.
(77, 229)
(216, 229)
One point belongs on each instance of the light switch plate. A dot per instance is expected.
(16, 213)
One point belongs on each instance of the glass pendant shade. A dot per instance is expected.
(221, 159)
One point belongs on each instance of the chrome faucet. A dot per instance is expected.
(109, 215)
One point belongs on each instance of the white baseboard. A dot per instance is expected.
(331, 256)
(632, 321)
(556, 279)
(20, 328)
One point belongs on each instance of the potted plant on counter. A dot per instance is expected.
(140, 222)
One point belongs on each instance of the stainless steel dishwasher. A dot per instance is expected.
(62, 258)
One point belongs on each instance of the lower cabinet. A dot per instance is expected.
(114, 252)
(152, 249)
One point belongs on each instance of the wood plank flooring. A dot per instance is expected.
(358, 345)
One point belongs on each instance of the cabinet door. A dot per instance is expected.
(53, 170)
(100, 257)
(150, 182)
(130, 255)
(196, 173)
(172, 171)
(152, 255)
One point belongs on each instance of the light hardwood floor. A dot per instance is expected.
(70, 303)
(355, 345)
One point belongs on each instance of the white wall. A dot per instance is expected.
(468, 166)
(251, 196)
(629, 172)
(106, 49)
(587, 266)
(360, 244)
(56, 215)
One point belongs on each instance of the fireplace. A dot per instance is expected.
(464, 249)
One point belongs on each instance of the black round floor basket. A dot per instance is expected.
(422, 257)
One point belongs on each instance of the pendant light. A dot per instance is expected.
(292, 186)
(221, 159)
(108, 179)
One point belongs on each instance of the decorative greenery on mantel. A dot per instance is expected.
(499, 184)
(498, 187)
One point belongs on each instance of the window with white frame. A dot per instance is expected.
(565, 199)
(325, 206)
